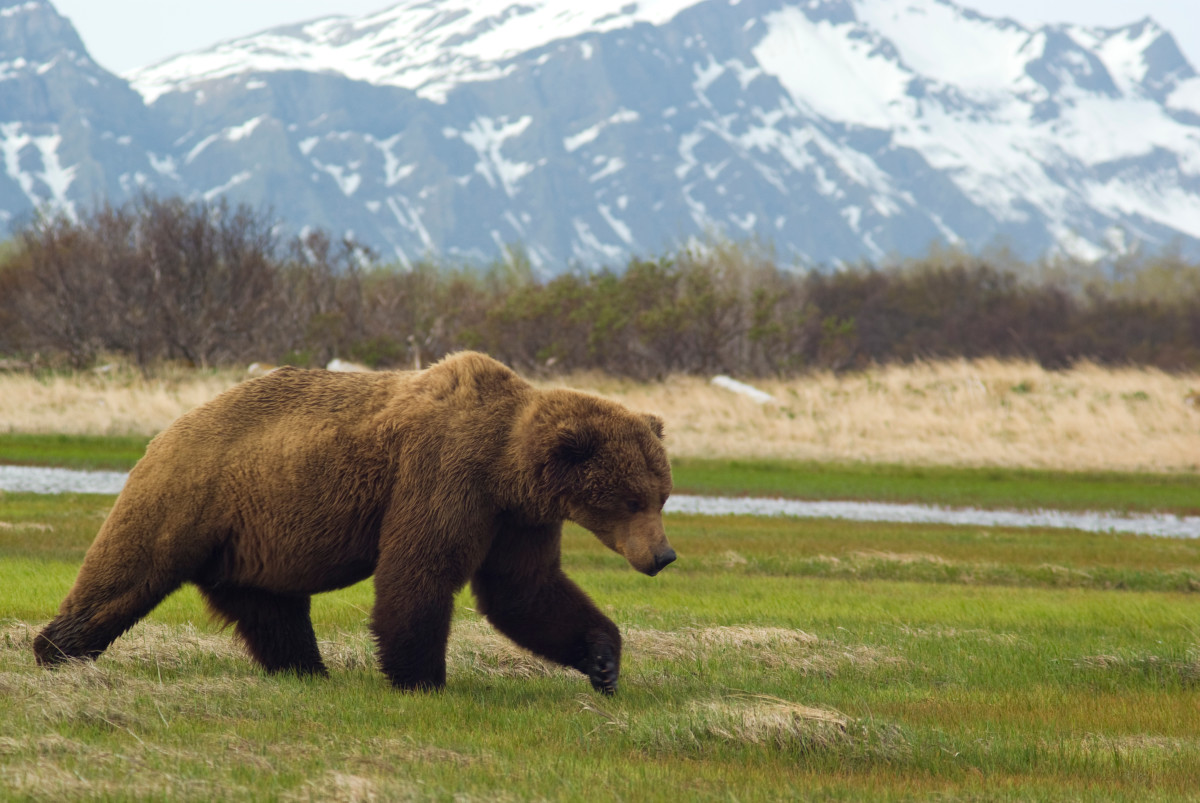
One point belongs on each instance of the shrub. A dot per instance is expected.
(164, 279)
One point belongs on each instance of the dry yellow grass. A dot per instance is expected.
(475, 648)
(114, 402)
(964, 413)
(961, 413)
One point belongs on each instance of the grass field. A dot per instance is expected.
(777, 659)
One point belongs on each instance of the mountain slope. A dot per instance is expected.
(837, 130)
(70, 132)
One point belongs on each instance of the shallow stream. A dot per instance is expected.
(58, 480)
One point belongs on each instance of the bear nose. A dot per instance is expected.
(661, 560)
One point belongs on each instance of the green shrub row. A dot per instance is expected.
(163, 279)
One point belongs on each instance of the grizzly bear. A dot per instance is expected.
(304, 481)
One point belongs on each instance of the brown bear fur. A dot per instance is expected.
(304, 481)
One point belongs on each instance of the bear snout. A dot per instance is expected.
(662, 560)
(639, 539)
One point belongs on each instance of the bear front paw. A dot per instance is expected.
(603, 666)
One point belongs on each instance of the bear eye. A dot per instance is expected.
(635, 506)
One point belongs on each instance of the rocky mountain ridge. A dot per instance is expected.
(834, 130)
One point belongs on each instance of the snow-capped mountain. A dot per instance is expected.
(836, 130)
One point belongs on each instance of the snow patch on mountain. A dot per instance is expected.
(1121, 50)
(12, 11)
(244, 130)
(347, 180)
(588, 135)
(951, 45)
(487, 137)
(834, 70)
(426, 45)
(32, 161)
(1186, 96)
(221, 189)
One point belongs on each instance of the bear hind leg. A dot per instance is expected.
(80, 636)
(99, 608)
(276, 628)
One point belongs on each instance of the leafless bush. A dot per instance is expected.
(156, 280)
(207, 284)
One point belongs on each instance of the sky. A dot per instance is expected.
(123, 35)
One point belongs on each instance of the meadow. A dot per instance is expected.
(963, 413)
(777, 659)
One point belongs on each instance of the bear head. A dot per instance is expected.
(607, 469)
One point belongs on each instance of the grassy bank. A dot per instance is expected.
(775, 660)
(936, 485)
(942, 485)
(84, 452)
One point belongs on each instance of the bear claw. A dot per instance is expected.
(603, 669)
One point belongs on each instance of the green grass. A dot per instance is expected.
(94, 452)
(953, 487)
(776, 660)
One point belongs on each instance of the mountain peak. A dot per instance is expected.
(1142, 57)
(33, 31)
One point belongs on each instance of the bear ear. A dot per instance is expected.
(656, 425)
(576, 443)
